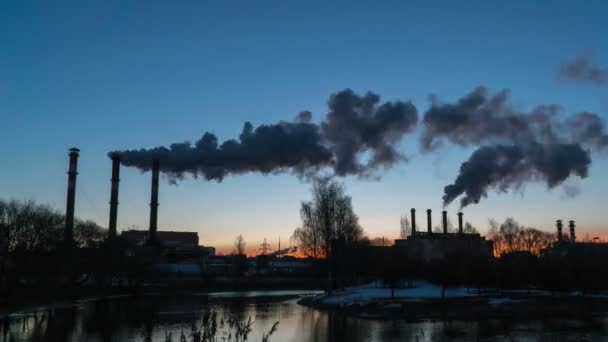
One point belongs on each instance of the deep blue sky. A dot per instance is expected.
(113, 75)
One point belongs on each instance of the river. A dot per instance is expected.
(154, 317)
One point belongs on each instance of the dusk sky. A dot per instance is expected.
(116, 76)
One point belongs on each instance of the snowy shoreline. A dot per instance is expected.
(424, 301)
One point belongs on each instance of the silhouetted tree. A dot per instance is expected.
(392, 274)
(88, 231)
(239, 245)
(510, 237)
(327, 218)
(405, 227)
(469, 229)
(443, 272)
(29, 248)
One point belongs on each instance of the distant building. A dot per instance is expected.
(169, 239)
(181, 253)
(567, 246)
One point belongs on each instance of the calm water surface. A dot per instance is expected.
(152, 317)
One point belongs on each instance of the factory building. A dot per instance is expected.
(428, 246)
(567, 246)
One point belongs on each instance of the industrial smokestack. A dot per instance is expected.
(69, 211)
(572, 235)
(154, 202)
(429, 223)
(413, 211)
(460, 228)
(445, 222)
(559, 230)
(114, 195)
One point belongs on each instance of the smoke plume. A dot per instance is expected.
(513, 147)
(583, 70)
(358, 137)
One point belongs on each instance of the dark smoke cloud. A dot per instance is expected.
(359, 136)
(503, 167)
(583, 70)
(356, 124)
(513, 147)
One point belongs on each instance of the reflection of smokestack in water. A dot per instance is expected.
(413, 211)
(69, 211)
(572, 235)
(559, 226)
(114, 195)
(460, 228)
(445, 222)
(154, 201)
(429, 223)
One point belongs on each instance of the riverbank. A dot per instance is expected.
(425, 302)
(25, 300)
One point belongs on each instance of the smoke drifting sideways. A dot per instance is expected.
(513, 147)
(359, 136)
(582, 69)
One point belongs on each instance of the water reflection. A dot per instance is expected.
(152, 317)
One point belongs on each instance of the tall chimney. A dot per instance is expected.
(559, 230)
(154, 202)
(114, 195)
(69, 211)
(572, 235)
(445, 222)
(429, 223)
(413, 211)
(460, 228)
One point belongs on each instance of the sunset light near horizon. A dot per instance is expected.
(112, 77)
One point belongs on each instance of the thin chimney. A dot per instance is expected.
(413, 212)
(69, 211)
(460, 228)
(114, 195)
(429, 223)
(445, 222)
(154, 202)
(572, 235)
(559, 230)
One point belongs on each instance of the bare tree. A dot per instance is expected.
(469, 229)
(510, 237)
(264, 247)
(328, 220)
(309, 236)
(30, 234)
(329, 216)
(406, 228)
(239, 245)
(88, 231)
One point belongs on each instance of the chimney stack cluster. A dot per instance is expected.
(560, 234)
(429, 222)
(115, 180)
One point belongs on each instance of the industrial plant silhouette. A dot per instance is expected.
(446, 257)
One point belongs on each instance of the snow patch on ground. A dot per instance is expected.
(498, 301)
(370, 292)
